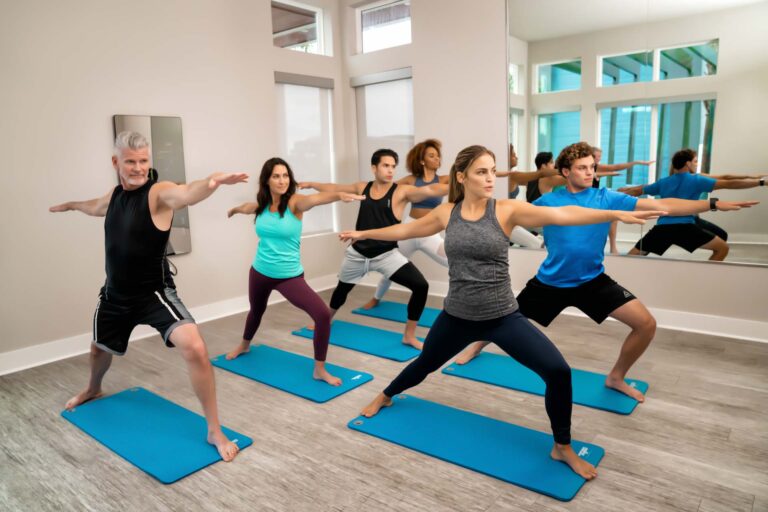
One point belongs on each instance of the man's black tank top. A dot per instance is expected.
(374, 214)
(135, 247)
(532, 191)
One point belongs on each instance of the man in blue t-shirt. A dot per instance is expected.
(687, 231)
(573, 273)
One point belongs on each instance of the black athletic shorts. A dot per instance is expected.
(688, 236)
(597, 298)
(115, 317)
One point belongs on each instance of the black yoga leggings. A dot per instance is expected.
(407, 275)
(517, 337)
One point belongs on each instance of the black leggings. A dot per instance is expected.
(407, 275)
(518, 337)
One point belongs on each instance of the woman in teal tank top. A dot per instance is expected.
(277, 265)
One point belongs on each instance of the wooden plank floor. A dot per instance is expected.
(699, 444)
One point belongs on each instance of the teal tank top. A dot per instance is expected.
(278, 255)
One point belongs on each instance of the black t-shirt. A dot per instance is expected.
(374, 214)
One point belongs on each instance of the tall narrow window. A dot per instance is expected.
(305, 141)
(689, 61)
(384, 25)
(563, 76)
(627, 69)
(555, 131)
(384, 120)
(625, 136)
(686, 124)
(297, 27)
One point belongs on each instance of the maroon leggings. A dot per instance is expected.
(298, 293)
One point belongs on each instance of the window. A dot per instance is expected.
(625, 136)
(563, 76)
(297, 27)
(384, 120)
(689, 61)
(384, 25)
(555, 131)
(513, 79)
(686, 124)
(305, 141)
(515, 115)
(627, 69)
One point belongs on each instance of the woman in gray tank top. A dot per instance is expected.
(480, 304)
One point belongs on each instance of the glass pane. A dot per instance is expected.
(295, 28)
(386, 26)
(305, 142)
(565, 76)
(686, 124)
(627, 69)
(558, 130)
(625, 135)
(689, 61)
(513, 79)
(384, 120)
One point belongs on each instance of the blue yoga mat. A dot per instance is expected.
(377, 342)
(157, 436)
(588, 387)
(398, 312)
(508, 452)
(291, 372)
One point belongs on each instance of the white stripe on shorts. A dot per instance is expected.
(167, 306)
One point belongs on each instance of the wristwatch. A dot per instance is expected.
(762, 181)
(713, 204)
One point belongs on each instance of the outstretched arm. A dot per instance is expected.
(94, 207)
(528, 215)
(678, 207)
(623, 166)
(306, 203)
(521, 178)
(738, 176)
(176, 196)
(635, 191)
(739, 183)
(245, 209)
(351, 188)
(416, 194)
(432, 223)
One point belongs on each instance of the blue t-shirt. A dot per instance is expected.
(278, 255)
(575, 253)
(680, 186)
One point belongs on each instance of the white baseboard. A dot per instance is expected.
(49, 352)
(44, 353)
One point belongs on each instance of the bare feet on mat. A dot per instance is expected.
(564, 453)
(371, 303)
(619, 384)
(227, 449)
(469, 353)
(412, 341)
(320, 373)
(374, 407)
(82, 397)
(242, 348)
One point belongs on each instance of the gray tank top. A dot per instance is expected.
(478, 267)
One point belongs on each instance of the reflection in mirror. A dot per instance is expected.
(631, 83)
(165, 142)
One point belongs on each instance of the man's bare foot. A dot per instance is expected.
(373, 408)
(311, 327)
(227, 449)
(320, 373)
(564, 453)
(242, 348)
(412, 341)
(371, 303)
(82, 397)
(469, 353)
(620, 385)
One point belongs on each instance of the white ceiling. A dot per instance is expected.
(535, 20)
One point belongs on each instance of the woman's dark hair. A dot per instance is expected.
(542, 159)
(264, 196)
(416, 155)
